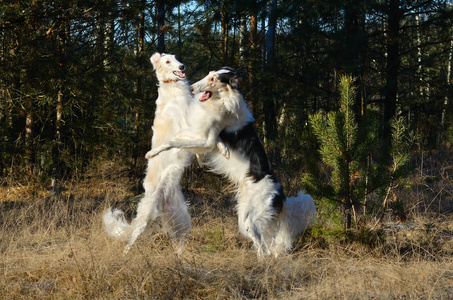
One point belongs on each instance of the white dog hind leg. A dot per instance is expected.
(176, 220)
(147, 211)
(171, 207)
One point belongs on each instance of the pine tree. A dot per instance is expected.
(346, 148)
(343, 150)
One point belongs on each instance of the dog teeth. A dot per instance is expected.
(179, 74)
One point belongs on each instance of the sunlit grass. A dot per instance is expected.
(55, 247)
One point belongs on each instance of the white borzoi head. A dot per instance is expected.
(220, 85)
(167, 67)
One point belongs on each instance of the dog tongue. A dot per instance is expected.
(180, 74)
(205, 96)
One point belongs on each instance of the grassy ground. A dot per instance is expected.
(54, 247)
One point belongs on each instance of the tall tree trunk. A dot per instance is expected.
(351, 49)
(179, 29)
(160, 6)
(28, 81)
(269, 105)
(448, 87)
(62, 65)
(351, 23)
(29, 131)
(224, 32)
(263, 36)
(108, 38)
(391, 91)
(271, 32)
(253, 57)
(243, 42)
(139, 92)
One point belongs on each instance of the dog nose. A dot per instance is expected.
(182, 67)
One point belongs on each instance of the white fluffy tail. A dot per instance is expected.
(297, 215)
(116, 226)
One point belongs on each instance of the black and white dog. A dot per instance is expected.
(220, 116)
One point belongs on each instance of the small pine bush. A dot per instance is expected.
(348, 148)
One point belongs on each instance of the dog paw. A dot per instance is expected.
(226, 153)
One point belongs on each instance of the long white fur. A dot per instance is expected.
(163, 198)
(257, 218)
(206, 120)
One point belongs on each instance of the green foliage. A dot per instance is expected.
(88, 53)
(346, 147)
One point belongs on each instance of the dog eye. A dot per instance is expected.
(167, 62)
(212, 79)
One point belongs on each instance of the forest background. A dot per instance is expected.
(77, 86)
(77, 101)
(76, 83)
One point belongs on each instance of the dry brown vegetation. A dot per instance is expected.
(53, 246)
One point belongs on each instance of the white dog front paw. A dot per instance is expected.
(225, 152)
(150, 154)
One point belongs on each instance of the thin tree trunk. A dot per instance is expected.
(253, 44)
(448, 85)
(139, 92)
(160, 24)
(269, 105)
(253, 58)
(56, 151)
(243, 43)
(179, 27)
(224, 32)
(263, 36)
(29, 130)
(391, 92)
(57, 147)
(353, 13)
(272, 23)
(108, 39)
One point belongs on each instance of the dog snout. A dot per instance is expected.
(194, 89)
(182, 67)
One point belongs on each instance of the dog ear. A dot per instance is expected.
(155, 58)
(230, 77)
(235, 81)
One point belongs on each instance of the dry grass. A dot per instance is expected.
(54, 247)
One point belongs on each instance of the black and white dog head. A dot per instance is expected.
(216, 83)
(167, 67)
(221, 85)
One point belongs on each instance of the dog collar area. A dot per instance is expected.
(169, 80)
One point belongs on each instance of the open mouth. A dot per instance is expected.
(179, 74)
(206, 95)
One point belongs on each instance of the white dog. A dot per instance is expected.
(206, 120)
(163, 197)
(264, 214)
